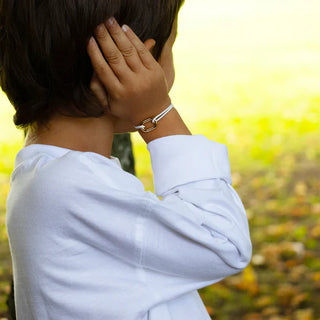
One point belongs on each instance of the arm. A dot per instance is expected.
(198, 233)
(195, 236)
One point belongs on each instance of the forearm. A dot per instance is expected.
(170, 124)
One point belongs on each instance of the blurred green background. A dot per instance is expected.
(248, 76)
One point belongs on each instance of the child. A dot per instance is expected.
(87, 241)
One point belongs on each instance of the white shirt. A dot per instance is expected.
(89, 243)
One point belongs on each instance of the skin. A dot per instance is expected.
(128, 103)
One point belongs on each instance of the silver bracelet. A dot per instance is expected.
(153, 120)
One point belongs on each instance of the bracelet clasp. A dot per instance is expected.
(155, 120)
(151, 128)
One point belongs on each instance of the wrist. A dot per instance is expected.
(151, 112)
(151, 123)
(170, 124)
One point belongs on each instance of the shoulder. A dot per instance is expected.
(85, 172)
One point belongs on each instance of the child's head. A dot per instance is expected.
(44, 66)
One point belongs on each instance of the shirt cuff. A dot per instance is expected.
(181, 159)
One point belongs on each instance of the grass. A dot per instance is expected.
(248, 76)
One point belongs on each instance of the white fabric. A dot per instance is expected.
(88, 242)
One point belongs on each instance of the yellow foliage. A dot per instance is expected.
(301, 189)
(315, 231)
(263, 301)
(249, 280)
(316, 277)
(285, 294)
(303, 314)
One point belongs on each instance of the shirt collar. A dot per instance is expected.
(33, 149)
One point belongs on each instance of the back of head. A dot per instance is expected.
(44, 65)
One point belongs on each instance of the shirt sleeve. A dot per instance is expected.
(200, 228)
(196, 235)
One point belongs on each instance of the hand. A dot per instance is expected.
(96, 86)
(135, 82)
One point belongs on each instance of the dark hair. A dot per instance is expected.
(44, 65)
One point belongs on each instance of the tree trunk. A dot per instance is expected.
(122, 149)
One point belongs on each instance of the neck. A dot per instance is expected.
(80, 134)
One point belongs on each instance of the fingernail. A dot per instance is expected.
(125, 28)
(110, 21)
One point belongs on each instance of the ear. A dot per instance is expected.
(150, 43)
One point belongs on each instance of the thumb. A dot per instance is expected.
(99, 91)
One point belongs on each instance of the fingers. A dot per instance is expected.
(125, 46)
(111, 52)
(144, 54)
(149, 44)
(101, 67)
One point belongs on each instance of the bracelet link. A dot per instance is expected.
(151, 128)
(154, 120)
